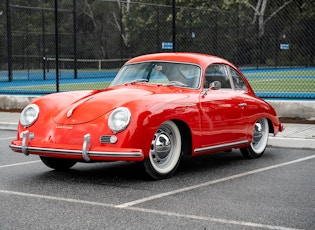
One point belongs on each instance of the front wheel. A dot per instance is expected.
(165, 152)
(259, 141)
(57, 164)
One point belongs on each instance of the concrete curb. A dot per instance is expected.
(301, 109)
(8, 126)
(293, 143)
(9, 102)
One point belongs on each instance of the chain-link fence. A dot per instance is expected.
(50, 46)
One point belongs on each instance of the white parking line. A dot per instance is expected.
(210, 219)
(160, 195)
(56, 198)
(129, 205)
(18, 164)
(7, 138)
(152, 211)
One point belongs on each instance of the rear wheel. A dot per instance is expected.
(259, 141)
(165, 152)
(57, 164)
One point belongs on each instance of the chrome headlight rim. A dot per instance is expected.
(26, 119)
(119, 119)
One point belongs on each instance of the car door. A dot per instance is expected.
(222, 111)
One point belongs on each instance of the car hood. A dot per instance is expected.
(83, 107)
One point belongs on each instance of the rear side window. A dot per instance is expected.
(238, 81)
(217, 72)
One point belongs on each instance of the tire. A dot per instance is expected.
(165, 152)
(57, 164)
(259, 142)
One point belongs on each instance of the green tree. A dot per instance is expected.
(262, 10)
(307, 9)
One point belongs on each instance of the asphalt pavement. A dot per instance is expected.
(301, 136)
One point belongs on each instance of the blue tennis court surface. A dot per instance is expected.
(22, 80)
(39, 76)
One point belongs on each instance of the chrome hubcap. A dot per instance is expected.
(258, 133)
(260, 137)
(161, 146)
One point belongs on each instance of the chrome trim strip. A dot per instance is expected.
(198, 150)
(78, 152)
(70, 112)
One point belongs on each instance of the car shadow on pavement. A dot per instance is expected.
(131, 174)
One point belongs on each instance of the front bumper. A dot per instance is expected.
(84, 152)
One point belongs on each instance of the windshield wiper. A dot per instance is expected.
(137, 80)
(176, 83)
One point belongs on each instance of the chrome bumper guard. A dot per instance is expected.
(25, 141)
(85, 152)
(86, 147)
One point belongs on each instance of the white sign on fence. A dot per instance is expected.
(167, 45)
(284, 46)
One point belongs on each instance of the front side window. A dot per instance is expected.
(184, 75)
(217, 72)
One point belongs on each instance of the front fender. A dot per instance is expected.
(146, 123)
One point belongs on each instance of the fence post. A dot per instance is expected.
(158, 40)
(121, 33)
(75, 39)
(257, 43)
(9, 41)
(57, 45)
(174, 25)
(43, 45)
(215, 34)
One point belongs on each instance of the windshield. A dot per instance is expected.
(167, 73)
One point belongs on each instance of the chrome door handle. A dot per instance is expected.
(242, 105)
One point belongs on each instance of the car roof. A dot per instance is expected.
(195, 58)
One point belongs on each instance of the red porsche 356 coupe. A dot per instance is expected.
(158, 108)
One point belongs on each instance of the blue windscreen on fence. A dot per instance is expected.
(297, 83)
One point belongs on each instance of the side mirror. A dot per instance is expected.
(215, 85)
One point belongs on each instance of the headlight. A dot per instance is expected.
(29, 115)
(119, 119)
